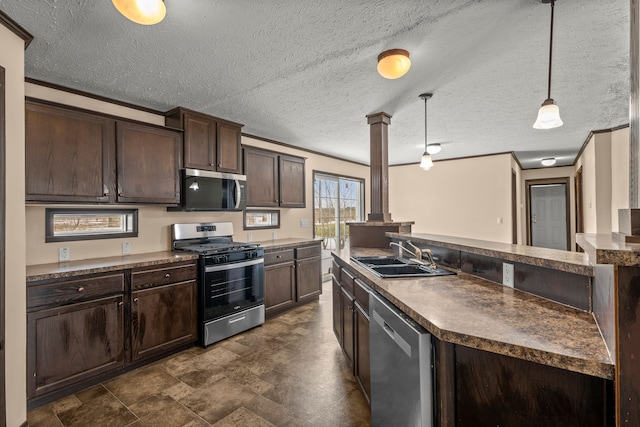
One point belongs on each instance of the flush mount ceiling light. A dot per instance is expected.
(393, 63)
(549, 161)
(144, 12)
(549, 113)
(426, 162)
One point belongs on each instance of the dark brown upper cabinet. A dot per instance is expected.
(70, 155)
(274, 179)
(76, 156)
(210, 143)
(148, 164)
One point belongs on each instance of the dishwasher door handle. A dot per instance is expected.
(395, 337)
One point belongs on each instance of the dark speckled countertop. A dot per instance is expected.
(571, 262)
(605, 249)
(60, 270)
(280, 244)
(477, 313)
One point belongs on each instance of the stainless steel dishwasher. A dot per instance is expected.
(401, 368)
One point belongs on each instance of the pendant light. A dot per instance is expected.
(393, 63)
(144, 12)
(426, 162)
(549, 113)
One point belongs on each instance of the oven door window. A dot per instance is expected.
(233, 287)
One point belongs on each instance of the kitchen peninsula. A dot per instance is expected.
(503, 356)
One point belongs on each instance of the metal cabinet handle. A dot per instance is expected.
(80, 289)
(166, 276)
(219, 165)
(212, 164)
(135, 300)
(278, 256)
(120, 304)
(105, 190)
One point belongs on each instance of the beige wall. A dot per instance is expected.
(154, 221)
(619, 174)
(464, 197)
(12, 59)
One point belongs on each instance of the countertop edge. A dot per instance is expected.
(562, 361)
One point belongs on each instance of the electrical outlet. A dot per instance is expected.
(274, 235)
(507, 274)
(64, 254)
(126, 248)
(249, 237)
(304, 223)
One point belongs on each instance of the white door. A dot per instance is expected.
(548, 216)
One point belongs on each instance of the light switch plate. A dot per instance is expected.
(126, 248)
(507, 274)
(64, 254)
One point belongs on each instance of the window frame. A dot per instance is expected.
(51, 212)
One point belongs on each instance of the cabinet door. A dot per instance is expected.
(162, 318)
(337, 311)
(228, 149)
(148, 164)
(261, 169)
(279, 286)
(309, 278)
(346, 304)
(69, 344)
(69, 155)
(292, 178)
(199, 141)
(362, 361)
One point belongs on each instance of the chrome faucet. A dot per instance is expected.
(417, 255)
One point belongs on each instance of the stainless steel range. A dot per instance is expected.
(230, 279)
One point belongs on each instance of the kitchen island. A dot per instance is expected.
(503, 356)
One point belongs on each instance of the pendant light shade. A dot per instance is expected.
(393, 63)
(144, 12)
(549, 113)
(426, 163)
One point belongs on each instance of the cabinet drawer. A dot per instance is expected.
(347, 280)
(361, 293)
(163, 276)
(277, 257)
(335, 270)
(308, 251)
(69, 291)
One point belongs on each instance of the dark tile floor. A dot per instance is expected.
(288, 372)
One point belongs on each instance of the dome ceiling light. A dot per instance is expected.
(143, 12)
(393, 63)
(433, 148)
(549, 161)
(549, 113)
(426, 163)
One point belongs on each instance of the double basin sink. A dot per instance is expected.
(394, 267)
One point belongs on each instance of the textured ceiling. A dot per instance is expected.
(304, 72)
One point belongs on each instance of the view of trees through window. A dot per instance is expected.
(336, 201)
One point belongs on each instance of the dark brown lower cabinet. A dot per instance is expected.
(337, 311)
(348, 339)
(162, 318)
(292, 276)
(280, 286)
(72, 343)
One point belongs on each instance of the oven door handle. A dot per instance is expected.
(231, 266)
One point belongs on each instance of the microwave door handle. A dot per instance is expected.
(238, 194)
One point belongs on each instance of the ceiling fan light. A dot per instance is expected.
(548, 116)
(426, 163)
(393, 63)
(433, 148)
(143, 12)
(549, 161)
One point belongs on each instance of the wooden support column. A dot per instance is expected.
(379, 166)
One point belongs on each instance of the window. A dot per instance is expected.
(336, 200)
(87, 224)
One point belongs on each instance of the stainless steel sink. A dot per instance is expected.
(394, 267)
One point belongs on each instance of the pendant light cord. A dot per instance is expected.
(425, 124)
(550, 52)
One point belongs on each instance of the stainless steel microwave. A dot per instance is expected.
(211, 191)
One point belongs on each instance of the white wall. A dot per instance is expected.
(154, 221)
(12, 59)
(464, 197)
